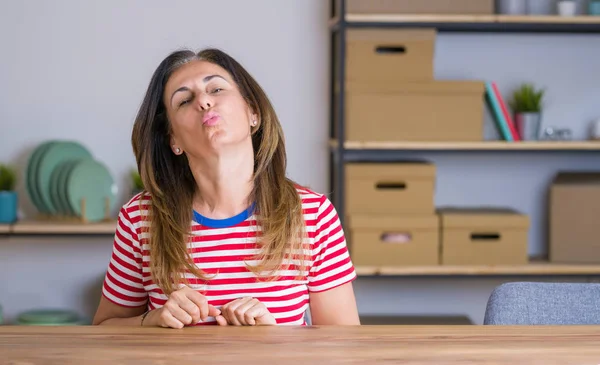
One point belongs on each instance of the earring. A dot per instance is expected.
(254, 123)
(178, 150)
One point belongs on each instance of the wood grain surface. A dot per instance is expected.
(301, 345)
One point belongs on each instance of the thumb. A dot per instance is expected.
(221, 321)
(213, 311)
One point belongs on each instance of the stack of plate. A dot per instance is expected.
(63, 179)
(49, 317)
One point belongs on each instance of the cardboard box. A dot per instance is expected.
(426, 111)
(394, 240)
(483, 236)
(390, 55)
(575, 218)
(458, 7)
(390, 188)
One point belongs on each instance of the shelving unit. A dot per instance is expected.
(472, 23)
(472, 146)
(51, 227)
(343, 151)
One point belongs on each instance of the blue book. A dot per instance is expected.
(497, 112)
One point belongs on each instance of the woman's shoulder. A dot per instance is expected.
(309, 196)
(137, 206)
(316, 206)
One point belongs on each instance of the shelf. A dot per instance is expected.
(4, 228)
(477, 23)
(62, 228)
(474, 146)
(532, 269)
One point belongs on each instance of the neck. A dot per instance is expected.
(224, 183)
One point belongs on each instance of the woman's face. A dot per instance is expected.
(206, 110)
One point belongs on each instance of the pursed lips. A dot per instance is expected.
(210, 119)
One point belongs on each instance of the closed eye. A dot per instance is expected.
(184, 102)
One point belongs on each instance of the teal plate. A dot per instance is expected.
(63, 190)
(56, 153)
(57, 186)
(54, 187)
(48, 317)
(31, 178)
(91, 180)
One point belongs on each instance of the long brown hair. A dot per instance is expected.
(170, 184)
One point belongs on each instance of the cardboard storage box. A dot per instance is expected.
(394, 240)
(483, 236)
(390, 55)
(390, 188)
(575, 218)
(424, 111)
(458, 7)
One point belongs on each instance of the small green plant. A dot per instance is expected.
(527, 99)
(8, 178)
(137, 180)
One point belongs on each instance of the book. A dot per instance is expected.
(497, 113)
(507, 118)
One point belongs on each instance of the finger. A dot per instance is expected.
(177, 312)
(168, 320)
(191, 309)
(261, 315)
(213, 311)
(199, 300)
(180, 299)
(242, 310)
(255, 312)
(221, 321)
(230, 308)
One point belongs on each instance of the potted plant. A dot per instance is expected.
(136, 180)
(526, 104)
(8, 195)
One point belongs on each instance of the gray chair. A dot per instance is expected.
(525, 303)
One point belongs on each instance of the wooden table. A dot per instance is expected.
(308, 345)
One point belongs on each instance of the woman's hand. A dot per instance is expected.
(184, 306)
(245, 312)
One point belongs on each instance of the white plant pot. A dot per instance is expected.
(567, 8)
(541, 7)
(511, 7)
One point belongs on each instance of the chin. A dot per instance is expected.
(221, 141)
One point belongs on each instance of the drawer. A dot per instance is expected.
(394, 240)
(390, 188)
(390, 55)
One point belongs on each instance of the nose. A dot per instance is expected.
(205, 101)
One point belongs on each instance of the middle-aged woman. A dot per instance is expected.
(220, 235)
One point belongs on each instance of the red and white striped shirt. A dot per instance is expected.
(221, 248)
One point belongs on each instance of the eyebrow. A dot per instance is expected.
(185, 88)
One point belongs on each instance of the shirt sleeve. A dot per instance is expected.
(123, 283)
(332, 265)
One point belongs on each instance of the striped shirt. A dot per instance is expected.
(221, 248)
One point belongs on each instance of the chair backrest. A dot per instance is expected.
(527, 303)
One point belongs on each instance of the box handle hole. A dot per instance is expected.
(390, 49)
(391, 186)
(396, 237)
(485, 236)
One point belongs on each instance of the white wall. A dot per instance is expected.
(78, 70)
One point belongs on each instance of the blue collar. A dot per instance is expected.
(226, 222)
